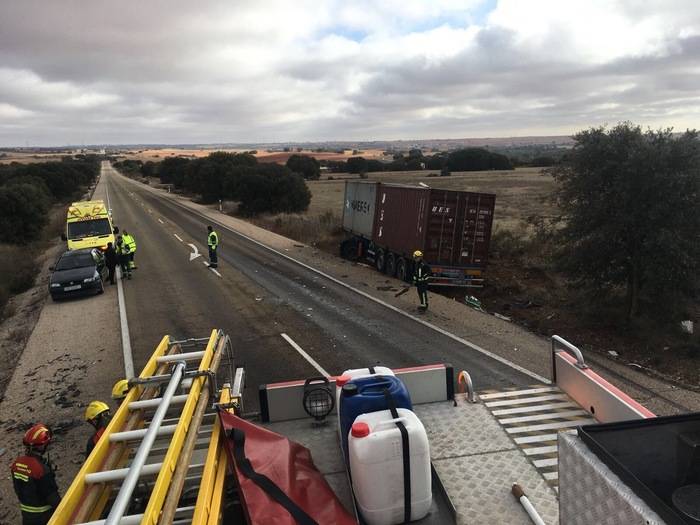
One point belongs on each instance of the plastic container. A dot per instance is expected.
(356, 373)
(366, 394)
(376, 461)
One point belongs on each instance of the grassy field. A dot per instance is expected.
(519, 193)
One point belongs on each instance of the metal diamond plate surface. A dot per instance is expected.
(454, 431)
(590, 493)
(322, 441)
(479, 486)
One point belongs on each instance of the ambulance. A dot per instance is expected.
(88, 225)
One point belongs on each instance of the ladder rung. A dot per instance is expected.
(187, 356)
(132, 435)
(135, 519)
(106, 476)
(152, 403)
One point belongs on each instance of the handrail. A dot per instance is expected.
(464, 377)
(123, 499)
(569, 348)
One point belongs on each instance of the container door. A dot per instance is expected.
(401, 218)
(359, 208)
(476, 228)
(441, 239)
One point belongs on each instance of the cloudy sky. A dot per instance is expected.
(183, 71)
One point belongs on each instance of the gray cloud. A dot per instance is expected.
(216, 71)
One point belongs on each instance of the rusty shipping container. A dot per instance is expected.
(451, 228)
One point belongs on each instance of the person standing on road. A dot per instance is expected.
(123, 257)
(34, 478)
(111, 260)
(213, 244)
(97, 414)
(421, 275)
(131, 243)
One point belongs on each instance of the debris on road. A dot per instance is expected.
(613, 353)
(503, 317)
(472, 301)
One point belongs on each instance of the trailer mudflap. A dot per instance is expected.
(278, 481)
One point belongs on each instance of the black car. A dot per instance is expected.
(77, 272)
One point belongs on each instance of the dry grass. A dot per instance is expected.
(321, 230)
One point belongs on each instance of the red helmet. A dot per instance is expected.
(37, 436)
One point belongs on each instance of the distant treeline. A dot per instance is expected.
(257, 187)
(467, 159)
(27, 191)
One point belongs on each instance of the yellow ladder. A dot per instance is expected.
(160, 460)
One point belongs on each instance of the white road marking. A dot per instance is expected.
(305, 355)
(442, 331)
(215, 271)
(178, 237)
(195, 252)
(126, 339)
(124, 323)
(160, 221)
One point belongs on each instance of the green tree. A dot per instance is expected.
(23, 212)
(272, 188)
(356, 165)
(307, 167)
(631, 213)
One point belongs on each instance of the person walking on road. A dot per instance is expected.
(111, 260)
(213, 244)
(34, 478)
(131, 243)
(421, 275)
(123, 257)
(97, 414)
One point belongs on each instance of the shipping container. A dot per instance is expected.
(451, 228)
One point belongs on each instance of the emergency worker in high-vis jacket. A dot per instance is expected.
(421, 276)
(34, 479)
(129, 241)
(213, 244)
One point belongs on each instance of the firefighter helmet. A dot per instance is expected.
(38, 435)
(95, 409)
(120, 389)
(417, 254)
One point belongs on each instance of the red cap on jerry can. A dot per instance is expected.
(360, 430)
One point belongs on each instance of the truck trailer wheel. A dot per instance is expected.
(402, 270)
(348, 250)
(380, 260)
(391, 264)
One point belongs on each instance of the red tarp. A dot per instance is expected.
(289, 466)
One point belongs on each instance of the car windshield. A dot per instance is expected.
(92, 228)
(77, 260)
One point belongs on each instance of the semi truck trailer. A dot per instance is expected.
(386, 223)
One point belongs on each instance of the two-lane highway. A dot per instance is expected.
(259, 296)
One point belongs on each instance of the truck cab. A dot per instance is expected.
(88, 225)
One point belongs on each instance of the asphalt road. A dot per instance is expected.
(260, 295)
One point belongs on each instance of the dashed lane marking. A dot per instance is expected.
(306, 356)
(178, 237)
(160, 221)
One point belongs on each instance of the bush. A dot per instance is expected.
(23, 212)
(477, 159)
(307, 167)
(273, 189)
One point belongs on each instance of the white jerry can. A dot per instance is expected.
(376, 462)
(355, 373)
